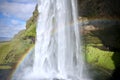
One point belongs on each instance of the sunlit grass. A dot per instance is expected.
(5, 67)
(31, 31)
(99, 57)
(12, 51)
(4, 50)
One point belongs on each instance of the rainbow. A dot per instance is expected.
(101, 19)
(31, 48)
(17, 66)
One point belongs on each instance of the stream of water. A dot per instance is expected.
(58, 51)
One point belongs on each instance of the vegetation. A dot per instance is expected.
(96, 53)
(103, 15)
(12, 51)
(102, 48)
(31, 31)
(99, 57)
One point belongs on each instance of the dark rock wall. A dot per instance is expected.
(99, 8)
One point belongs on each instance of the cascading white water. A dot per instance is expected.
(58, 48)
(58, 52)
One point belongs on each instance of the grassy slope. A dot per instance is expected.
(12, 51)
(96, 55)
(99, 57)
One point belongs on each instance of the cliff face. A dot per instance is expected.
(103, 44)
(99, 8)
(107, 13)
(30, 32)
(32, 19)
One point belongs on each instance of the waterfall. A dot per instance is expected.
(58, 50)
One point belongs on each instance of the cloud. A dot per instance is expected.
(13, 15)
(15, 22)
(19, 10)
(9, 27)
(11, 30)
(30, 1)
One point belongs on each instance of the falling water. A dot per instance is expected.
(58, 53)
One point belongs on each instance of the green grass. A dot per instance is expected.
(5, 67)
(5, 48)
(31, 31)
(11, 52)
(99, 57)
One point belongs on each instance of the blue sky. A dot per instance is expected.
(14, 14)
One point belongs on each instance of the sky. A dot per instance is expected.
(14, 14)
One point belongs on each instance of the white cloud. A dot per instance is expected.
(10, 31)
(19, 10)
(10, 27)
(15, 14)
(14, 22)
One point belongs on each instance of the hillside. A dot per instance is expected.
(12, 51)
